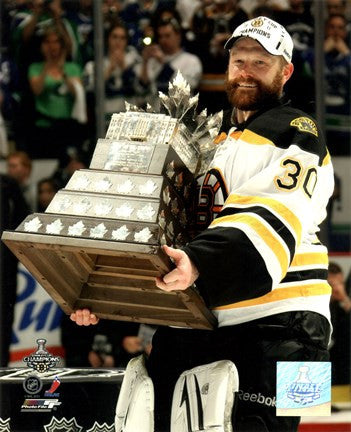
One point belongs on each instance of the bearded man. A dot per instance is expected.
(259, 264)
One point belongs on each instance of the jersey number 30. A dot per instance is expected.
(294, 176)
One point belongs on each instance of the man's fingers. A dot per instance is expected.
(176, 254)
(83, 317)
(172, 276)
(160, 284)
(171, 286)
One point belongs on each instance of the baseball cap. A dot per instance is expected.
(270, 34)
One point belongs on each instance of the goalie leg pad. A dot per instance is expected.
(135, 405)
(203, 398)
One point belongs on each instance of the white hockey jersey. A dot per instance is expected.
(264, 197)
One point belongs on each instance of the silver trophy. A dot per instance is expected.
(98, 244)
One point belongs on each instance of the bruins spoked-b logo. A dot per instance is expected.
(41, 360)
(257, 22)
(304, 124)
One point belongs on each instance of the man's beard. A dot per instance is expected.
(255, 98)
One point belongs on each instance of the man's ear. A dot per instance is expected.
(288, 70)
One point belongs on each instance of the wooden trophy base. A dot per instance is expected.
(105, 277)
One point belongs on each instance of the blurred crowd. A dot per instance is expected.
(47, 86)
(47, 89)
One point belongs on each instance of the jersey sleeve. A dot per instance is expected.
(248, 248)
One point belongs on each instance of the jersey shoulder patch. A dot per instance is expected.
(305, 124)
(285, 125)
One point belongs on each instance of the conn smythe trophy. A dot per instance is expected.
(98, 244)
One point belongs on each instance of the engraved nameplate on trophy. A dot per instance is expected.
(98, 244)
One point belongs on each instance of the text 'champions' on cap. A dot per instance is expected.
(270, 34)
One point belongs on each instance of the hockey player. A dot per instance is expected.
(259, 264)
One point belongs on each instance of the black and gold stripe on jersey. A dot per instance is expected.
(266, 215)
(283, 213)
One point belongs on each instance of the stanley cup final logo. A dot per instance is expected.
(41, 360)
(303, 390)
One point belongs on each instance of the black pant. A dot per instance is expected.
(254, 348)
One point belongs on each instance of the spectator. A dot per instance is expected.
(110, 344)
(111, 10)
(211, 26)
(82, 20)
(340, 309)
(336, 7)
(341, 7)
(120, 73)
(9, 9)
(299, 21)
(72, 163)
(47, 188)
(337, 65)
(161, 61)
(336, 36)
(137, 15)
(9, 101)
(114, 344)
(57, 89)
(337, 76)
(13, 209)
(186, 10)
(28, 27)
(164, 13)
(19, 167)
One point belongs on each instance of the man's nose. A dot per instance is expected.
(246, 70)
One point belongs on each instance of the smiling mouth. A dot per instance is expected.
(247, 85)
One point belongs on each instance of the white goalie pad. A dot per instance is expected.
(135, 405)
(203, 398)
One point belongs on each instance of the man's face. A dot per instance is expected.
(336, 28)
(168, 39)
(335, 7)
(336, 281)
(17, 170)
(254, 76)
(46, 193)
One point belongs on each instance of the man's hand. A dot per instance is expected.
(329, 44)
(117, 58)
(83, 317)
(153, 51)
(341, 46)
(183, 276)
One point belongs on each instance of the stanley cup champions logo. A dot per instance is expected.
(41, 360)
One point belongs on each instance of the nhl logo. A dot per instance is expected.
(32, 385)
